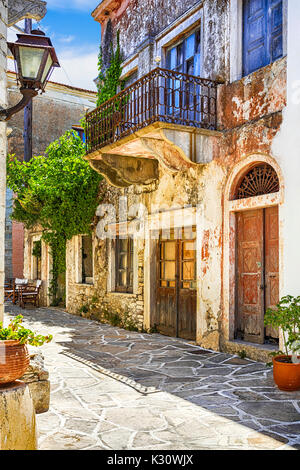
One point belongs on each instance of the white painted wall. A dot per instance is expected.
(286, 148)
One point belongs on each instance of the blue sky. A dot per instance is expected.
(76, 38)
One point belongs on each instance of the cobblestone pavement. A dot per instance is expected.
(154, 392)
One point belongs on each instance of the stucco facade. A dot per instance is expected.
(194, 174)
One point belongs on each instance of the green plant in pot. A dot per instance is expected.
(14, 355)
(286, 364)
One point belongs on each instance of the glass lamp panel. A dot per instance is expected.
(30, 58)
(47, 67)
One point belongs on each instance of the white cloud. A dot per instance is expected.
(77, 69)
(66, 39)
(73, 4)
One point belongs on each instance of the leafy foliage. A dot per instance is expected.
(59, 192)
(109, 80)
(37, 249)
(287, 317)
(16, 332)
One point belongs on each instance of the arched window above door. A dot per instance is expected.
(260, 179)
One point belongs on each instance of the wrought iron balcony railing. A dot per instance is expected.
(161, 95)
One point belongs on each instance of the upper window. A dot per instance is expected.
(87, 260)
(124, 265)
(185, 56)
(262, 33)
(37, 259)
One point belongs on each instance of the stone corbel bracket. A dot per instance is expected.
(123, 171)
(135, 159)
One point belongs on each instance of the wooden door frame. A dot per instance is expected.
(262, 276)
(178, 271)
(231, 207)
(189, 216)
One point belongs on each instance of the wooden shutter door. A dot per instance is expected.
(250, 271)
(271, 263)
(166, 305)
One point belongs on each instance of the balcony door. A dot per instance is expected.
(183, 98)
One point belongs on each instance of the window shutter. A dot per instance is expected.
(255, 35)
(275, 25)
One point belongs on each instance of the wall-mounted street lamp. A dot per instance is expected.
(35, 59)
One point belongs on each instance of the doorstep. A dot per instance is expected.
(257, 352)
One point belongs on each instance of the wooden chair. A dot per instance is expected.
(9, 289)
(18, 285)
(12, 289)
(30, 294)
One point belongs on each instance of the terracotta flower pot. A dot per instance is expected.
(286, 375)
(14, 361)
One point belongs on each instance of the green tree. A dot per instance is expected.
(59, 192)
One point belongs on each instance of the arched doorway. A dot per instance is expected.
(252, 249)
(257, 257)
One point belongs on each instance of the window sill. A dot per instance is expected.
(126, 294)
(81, 284)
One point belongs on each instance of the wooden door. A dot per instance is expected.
(250, 272)
(257, 273)
(166, 307)
(271, 264)
(176, 286)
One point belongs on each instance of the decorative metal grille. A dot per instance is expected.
(261, 179)
(161, 95)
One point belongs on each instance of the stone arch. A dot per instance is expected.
(244, 166)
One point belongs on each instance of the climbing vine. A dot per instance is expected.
(109, 79)
(59, 192)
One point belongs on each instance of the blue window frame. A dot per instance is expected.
(185, 57)
(262, 33)
(80, 132)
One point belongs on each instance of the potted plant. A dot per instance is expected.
(14, 356)
(286, 365)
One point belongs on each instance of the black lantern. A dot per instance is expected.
(35, 59)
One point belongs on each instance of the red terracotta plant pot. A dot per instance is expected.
(286, 375)
(14, 361)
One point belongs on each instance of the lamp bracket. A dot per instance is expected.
(28, 94)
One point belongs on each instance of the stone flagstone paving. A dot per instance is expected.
(166, 394)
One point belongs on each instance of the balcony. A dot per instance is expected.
(138, 124)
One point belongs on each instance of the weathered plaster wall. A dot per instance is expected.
(286, 149)
(142, 23)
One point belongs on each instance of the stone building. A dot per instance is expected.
(199, 234)
(59, 109)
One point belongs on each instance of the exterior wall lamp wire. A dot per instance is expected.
(35, 59)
